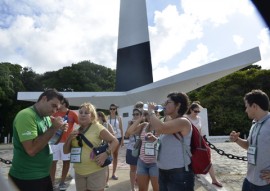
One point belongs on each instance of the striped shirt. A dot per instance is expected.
(146, 158)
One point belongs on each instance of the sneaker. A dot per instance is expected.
(63, 186)
(55, 187)
(114, 177)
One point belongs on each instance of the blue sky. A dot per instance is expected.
(50, 34)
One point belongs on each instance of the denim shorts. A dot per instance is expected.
(131, 160)
(150, 169)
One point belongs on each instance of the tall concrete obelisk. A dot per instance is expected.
(134, 67)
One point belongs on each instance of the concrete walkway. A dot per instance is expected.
(230, 172)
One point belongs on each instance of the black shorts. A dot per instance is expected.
(43, 184)
(131, 160)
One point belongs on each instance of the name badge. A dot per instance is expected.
(75, 155)
(251, 155)
(149, 149)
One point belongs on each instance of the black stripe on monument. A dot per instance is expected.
(134, 67)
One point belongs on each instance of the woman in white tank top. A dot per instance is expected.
(192, 114)
(116, 122)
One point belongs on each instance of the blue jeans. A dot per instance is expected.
(176, 180)
(247, 186)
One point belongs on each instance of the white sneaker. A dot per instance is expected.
(63, 186)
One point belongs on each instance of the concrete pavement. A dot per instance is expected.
(230, 172)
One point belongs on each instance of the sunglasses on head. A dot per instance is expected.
(196, 111)
(135, 114)
(113, 109)
(79, 139)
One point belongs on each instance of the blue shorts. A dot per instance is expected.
(150, 169)
(131, 160)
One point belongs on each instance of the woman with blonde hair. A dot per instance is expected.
(89, 173)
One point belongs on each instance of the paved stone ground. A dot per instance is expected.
(230, 172)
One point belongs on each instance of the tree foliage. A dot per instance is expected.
(224, 99)
(81, 77)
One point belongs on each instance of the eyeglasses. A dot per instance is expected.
(84, 113)
(135, 114)
(196, 111)
(79, 139)
(167, 102)
(112, 109)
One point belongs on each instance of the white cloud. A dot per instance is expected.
(238, 40)
(170, 34)
(62, 33)
(217, 12)
(48, 35)
(264, 38)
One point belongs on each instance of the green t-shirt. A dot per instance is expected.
(28, 125)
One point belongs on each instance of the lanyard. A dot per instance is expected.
(114, 121)
(255, 125)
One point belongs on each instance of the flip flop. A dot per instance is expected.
(217, 184)
(114, 177)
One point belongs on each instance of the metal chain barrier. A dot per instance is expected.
(5, 161)
(221, 152)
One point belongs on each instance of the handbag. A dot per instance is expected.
(98, 150)
(136, 148)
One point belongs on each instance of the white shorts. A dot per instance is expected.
(58, 153)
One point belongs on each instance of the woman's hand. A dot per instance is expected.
(265, 175)
(151, 106)
(100, 159)
(73, 134)
(150, 137)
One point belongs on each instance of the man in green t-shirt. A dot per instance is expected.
(33, 127)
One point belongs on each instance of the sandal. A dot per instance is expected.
(114, 177)
(218, 184)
